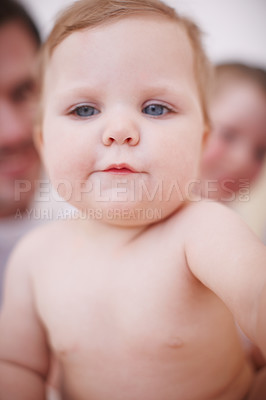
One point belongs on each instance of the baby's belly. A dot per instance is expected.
(150, 332)
(175, 373)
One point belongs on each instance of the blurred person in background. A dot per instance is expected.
(19, 161)
(235, 150)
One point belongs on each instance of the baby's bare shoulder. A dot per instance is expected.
(209, 216)
(227, 257)
(212, 230)
(198, 218)
(39, 243)
(196, 222)
(214, 235)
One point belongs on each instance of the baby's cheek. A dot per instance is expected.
(181, 167)
(59, 168)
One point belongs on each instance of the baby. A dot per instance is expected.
(235, 150)
(137, 297)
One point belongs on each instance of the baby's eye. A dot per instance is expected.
(85, 111)
(156, 110)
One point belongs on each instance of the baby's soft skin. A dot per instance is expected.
(134, 315)
(138, 307)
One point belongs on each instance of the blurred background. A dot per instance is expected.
(234, 29)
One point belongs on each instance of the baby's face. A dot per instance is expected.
(236, 147)
(122, 115)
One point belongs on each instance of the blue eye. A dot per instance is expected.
(85, 111)
(156, 110)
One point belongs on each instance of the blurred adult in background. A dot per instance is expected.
(234, 155)
(236, 147)
(19, 161)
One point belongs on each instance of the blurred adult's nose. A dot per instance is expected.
(121, 130)
(14, 126)
(242, 160)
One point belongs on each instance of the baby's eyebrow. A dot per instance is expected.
(175, 94)
(165, 88)
(77, 91)
(169, 91)
(162, 87)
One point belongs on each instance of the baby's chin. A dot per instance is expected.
(127, 214)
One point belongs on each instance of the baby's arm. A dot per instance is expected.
(228, 258)
(24, 356)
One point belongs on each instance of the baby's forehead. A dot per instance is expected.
(142, 47)
(131, 30)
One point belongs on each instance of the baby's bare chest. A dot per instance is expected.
(147, 300)
(111, 316)
(134, 321)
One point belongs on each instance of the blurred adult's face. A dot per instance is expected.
(236, 147)
(18, 157)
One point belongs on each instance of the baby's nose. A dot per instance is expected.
(121, 131)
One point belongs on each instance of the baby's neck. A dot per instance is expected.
(115, 234)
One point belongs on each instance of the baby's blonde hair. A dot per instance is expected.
(85, 14)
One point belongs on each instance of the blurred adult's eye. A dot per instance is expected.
(260, 153)
(23, 92)
(228, 135)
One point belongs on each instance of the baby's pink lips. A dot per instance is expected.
(120, 169)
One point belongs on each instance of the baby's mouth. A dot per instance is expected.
(120, 169)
